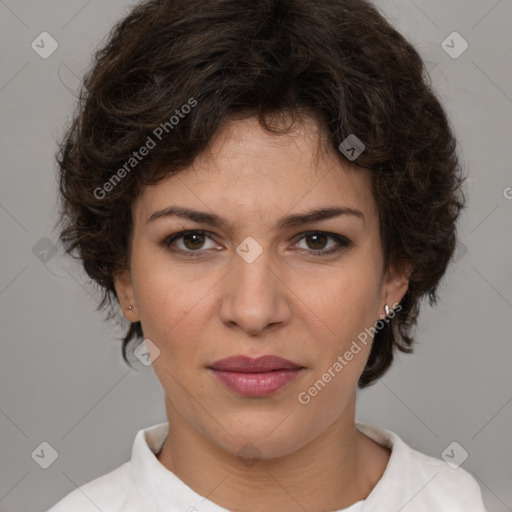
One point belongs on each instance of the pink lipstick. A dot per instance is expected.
(255, 377)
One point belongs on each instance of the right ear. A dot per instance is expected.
(125, 294)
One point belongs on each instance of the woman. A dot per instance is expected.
(267, 190)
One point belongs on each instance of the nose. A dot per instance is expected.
(256, 297)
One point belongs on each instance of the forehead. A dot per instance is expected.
(247, 172)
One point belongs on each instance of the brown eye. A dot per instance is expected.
(317, 241)
(193, 241)
(189, 242)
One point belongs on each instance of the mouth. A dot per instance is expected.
(258, 377)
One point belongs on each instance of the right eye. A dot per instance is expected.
(191, 242)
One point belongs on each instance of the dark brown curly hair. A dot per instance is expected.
(338, 61)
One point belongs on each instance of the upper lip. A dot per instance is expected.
(245, 364)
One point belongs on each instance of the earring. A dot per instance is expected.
(130, 308)
(387, 309)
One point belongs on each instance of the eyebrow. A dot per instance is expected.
(289, 221)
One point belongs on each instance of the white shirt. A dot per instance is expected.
(412, 482)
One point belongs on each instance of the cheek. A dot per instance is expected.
(348, 301)
(347, 307)
(163, 294)
(167, 308)
(172, 303)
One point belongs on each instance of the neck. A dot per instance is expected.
(335, 470)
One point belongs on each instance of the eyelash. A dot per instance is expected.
(343, 243)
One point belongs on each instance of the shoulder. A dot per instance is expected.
(126, 488)
(443, 487)
(107, 492)
(419, 482)
(454, 484)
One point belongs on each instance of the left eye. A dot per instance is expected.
(317, 240)
(192, 242)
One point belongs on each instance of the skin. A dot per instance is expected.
(288, 302)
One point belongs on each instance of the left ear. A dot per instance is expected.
(395, 284)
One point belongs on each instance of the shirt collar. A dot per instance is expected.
(161, 487)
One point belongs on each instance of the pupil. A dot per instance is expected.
(316, 238)
(195, 243)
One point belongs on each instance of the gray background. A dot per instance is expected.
(62, 378)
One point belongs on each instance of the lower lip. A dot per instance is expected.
(257, 384)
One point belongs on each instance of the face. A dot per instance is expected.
(253, 285)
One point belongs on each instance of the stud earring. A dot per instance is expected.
(130, 308)
(387, 309)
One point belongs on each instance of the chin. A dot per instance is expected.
(267, 435)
